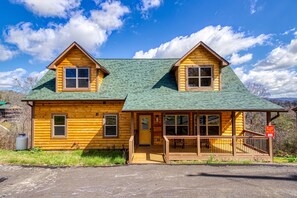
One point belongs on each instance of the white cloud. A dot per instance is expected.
(289, 31)
(91, 32)
(5, 53)
(280, 83)
(253, 8)
(236, 59)
(280, 58)
(224, 40)
(8, 79)
(50, 8)
(149, 4)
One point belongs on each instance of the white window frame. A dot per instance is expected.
(54, 125)
(206, 122)
(105, 125)
(199, 77)
(175, 122)
(76, 78)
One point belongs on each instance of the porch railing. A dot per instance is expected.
(131, 148)
(255, 141)
(250, 143)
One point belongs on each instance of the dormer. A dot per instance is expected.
(199, 69)
(77, 71)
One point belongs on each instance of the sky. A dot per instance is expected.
(258, 37)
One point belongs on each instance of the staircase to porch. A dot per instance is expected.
(148, 155)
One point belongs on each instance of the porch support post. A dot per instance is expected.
(233, 134)
(268, 123)
(198, 138)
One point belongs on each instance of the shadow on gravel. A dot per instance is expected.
(2, 179)
(290, 178)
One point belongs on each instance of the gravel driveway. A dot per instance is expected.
(150, 181)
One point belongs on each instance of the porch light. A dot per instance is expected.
(157, 118)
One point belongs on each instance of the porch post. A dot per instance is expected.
(233, 134)
(268, 123)
(198, 138)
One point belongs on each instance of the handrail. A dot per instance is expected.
(252, 132)
(131, 148)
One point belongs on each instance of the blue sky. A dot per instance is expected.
(259, 37)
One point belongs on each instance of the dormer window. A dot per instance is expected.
(77, 78)
(199, 77)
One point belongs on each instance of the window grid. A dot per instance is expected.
(207, 125)
(77, 78)
(59, 125)
(111, 125)
(176, 125)
(199, 76)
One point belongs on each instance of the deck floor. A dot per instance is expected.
(154, 154)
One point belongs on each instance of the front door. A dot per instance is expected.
(145, 133)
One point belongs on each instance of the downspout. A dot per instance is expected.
(32, 122)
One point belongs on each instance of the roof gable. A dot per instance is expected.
(53, 65)
(201, 44)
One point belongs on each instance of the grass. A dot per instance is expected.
(62, 158)
(286, 159)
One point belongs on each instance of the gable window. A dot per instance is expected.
(77, 78)
(111, 125)
(59, 125)
(209, 124)
(177, 124)
(199, 76)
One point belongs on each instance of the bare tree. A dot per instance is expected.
(25, 85)
(257, 89)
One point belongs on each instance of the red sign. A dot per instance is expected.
(270, 131)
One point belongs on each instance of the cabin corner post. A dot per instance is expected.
(270, 147)
(233, 133)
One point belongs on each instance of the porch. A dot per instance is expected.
(251, 146)
(240, 145)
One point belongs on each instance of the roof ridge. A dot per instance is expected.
(136, 58)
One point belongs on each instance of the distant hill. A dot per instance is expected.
(287, 103)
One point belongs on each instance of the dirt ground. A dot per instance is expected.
(150, 181)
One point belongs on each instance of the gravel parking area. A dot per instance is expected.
(150, 181)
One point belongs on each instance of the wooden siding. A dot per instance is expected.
(227, 123)
(84, 125)
(76, 58)
(199, 56)
(100, 76)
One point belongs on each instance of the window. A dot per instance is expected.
(177, 124)
(59, 125)
(209, 124)
(111, 125)
(76, 78)
(200, 76)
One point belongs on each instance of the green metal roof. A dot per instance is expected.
(147, 84)
(2, 102)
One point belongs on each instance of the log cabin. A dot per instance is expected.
(187, 108)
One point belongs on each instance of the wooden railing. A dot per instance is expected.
(166, 149)
(251, 143)
(256, 141)
(131, 148)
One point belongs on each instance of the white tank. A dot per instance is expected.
(21, 142)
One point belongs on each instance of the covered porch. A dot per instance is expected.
(196, 145)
